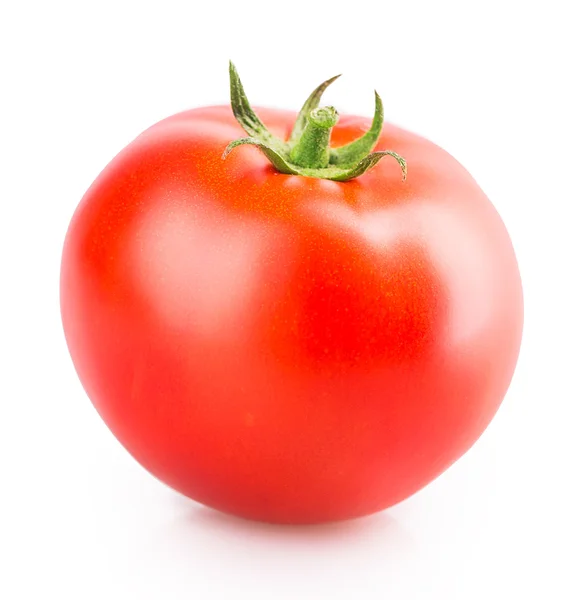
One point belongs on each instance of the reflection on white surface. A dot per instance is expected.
(291, 561)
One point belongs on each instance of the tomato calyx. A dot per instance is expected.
(307, 152)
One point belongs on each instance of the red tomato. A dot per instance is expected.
(288, 348)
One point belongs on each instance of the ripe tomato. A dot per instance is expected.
(284, 347)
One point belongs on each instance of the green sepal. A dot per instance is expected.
(360, 148)
(367, 163)
(246, 116)
(279, 161)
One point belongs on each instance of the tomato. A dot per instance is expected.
(284, 347)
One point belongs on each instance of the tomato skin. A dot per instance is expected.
(284, 348)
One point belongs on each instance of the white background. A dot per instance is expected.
(497, 84)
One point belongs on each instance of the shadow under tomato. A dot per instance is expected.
(380, 533)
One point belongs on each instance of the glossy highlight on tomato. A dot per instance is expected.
(283, 347)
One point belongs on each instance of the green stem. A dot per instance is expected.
(312, 149)
(307, 152)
